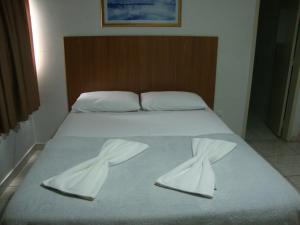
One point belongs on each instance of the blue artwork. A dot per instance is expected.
(141, 11)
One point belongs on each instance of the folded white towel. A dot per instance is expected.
(86, 179)
(196, 174)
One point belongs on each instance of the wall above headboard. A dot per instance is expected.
(141, 63)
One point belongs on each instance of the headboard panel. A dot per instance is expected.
(141, 63)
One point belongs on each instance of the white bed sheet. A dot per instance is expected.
(142, 123)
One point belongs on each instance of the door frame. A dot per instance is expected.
(293, 88)
(251, 69)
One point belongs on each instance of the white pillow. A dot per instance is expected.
(172, 100)
(107, 101)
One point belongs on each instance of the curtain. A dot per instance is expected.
(18, 82)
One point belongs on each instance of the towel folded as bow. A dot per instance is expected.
(196, 175)
(86, 179)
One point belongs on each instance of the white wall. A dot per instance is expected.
(14, 146)
(233, 21)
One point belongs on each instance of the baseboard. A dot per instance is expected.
(4, 183)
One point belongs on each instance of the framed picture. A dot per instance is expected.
(153, 13)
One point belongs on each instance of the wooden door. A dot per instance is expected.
(290, 115)
(283, 63)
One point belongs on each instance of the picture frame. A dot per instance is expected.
(141, 13)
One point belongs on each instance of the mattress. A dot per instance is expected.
(142, 123)
(249, 190)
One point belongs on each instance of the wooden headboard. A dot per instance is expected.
(141, 63)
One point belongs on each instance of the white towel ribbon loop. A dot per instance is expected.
(196, 175)
(86, 179)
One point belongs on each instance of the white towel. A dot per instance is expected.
(86, 179)
(196, 175)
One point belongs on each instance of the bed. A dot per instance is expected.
(249, 190)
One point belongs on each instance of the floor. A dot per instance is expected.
(10, 190)
(285, 157)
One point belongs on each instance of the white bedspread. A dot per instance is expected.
(250, 191)
(143, 123)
